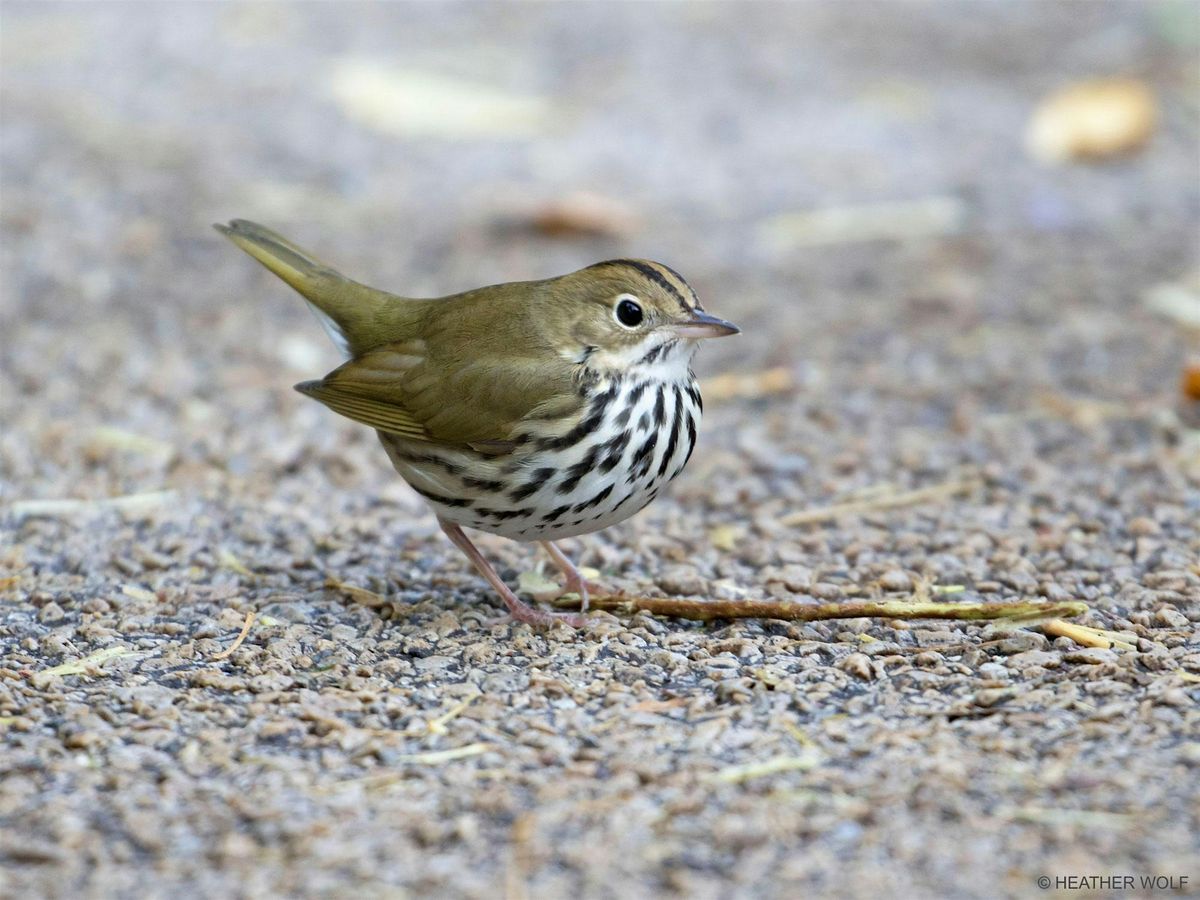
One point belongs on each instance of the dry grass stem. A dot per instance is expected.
(738, 774)
(22, 509)
(108, 437)
(884, 500)
(1086, 817)
(433, 757)
(229, 561)
(426, 758)
(357, 594)
(237, 642)
(898, 221)
(438, 725)
(1090, 637)
(88, 665)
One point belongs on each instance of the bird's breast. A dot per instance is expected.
(566, 477)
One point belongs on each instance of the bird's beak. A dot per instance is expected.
(702, 325)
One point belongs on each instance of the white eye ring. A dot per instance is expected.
(628, 312)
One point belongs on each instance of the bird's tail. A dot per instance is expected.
(357, 317)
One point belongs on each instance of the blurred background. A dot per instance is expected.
(869, 191)
(958, 236)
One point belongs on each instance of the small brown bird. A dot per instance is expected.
(536, 410)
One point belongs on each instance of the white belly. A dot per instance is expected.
(639, 442)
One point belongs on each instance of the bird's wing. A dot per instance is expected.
(399, 389)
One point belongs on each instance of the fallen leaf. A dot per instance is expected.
(584, 215)
(725, 537)
(1191, 381)
(1092, 120)
(748, 386)
(538, 586)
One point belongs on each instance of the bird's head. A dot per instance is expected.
(628, 313)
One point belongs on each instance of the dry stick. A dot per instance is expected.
(790, 610)
(888, 501)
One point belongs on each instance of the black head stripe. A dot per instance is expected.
(683, 281)
(650, 271)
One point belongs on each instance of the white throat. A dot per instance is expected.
(666, 359)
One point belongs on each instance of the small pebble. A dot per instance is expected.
(51, 614)
(994, 671)
(1142, 526)
(1171, 617)
(1021, 642)
(682, 581)
(858, 665)
(1093, 656)
(1045, 658)
(992, 696)
(895, 580)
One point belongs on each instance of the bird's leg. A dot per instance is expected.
(520, 610)
(575, 582)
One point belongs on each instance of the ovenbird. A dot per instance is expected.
(535, 410)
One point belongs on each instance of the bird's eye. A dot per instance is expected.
(629, 312)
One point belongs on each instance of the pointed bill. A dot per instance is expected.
(701, 325)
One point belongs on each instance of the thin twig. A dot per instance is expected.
(790, 610)
(883, 501)
(228, 651)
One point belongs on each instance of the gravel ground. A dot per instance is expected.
(397, 736)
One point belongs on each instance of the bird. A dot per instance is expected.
(535, 410)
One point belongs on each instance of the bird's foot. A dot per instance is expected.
(517, 608)
(523, 612)
(573, 580)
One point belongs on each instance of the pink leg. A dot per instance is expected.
(575, 582)
(520, 610)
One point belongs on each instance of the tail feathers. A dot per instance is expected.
(355, 316)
